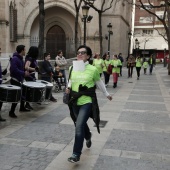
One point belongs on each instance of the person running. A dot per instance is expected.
(83, 101)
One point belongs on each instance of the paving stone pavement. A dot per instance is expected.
(135, 137)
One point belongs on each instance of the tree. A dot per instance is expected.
(77, 8)
(100, 12)
(41, 28)
(161, 5)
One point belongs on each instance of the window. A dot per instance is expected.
(147, 6)
(146, 20)
(148, 32)
(160, 14)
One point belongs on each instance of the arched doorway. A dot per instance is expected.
(55, 40)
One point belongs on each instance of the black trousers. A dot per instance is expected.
(138, 71)
(130, 71)
(13, 106)
(106, 77)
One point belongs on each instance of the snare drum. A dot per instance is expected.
(49, 87)
(10, 93)
(33, 91)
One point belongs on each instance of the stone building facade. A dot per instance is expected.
(19, 24)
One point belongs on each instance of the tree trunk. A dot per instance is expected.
(41, 28)
(76, 31)
(100, 33)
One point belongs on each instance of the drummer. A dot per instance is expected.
(1, 73)
(31, 66)
(17, 74)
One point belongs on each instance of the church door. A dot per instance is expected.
(55, 40)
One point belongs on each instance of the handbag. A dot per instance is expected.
(109, 69)
(66, 96)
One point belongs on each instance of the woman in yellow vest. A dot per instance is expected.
(116, 63)
(98, 63)
(138, 66)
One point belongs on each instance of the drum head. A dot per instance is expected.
(48, 84)
(34, 84)
(9, 87)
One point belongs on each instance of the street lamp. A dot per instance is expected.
(90, 2)
(136, 45)
(110, 32)
(86, 18)
(165, 62)
(129, 36)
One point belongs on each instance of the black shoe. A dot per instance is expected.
(2, 120)
(53, 100)
(27, 106)
(74, 158)
(88, 142)
(13, 115)
(24, 110)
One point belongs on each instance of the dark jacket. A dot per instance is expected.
(153, 61)
(17, 67)
(0, 74)
(95, 112)
(47, 69)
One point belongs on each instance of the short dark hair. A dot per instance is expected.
(88, 50)
(46, 54)
(33, 52)
(20, 48)
(59, 52)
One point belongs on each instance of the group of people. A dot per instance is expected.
(139, 62)
(102, 65)
(24, 70)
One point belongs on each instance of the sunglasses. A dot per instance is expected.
(81, 52)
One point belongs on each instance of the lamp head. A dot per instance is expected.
(85, 10)
(109, 26)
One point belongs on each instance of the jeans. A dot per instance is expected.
(82, 130)
(64, 75)
(151, 68)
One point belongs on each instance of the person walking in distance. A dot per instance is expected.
(130, 64)
(138, 66)
(106, 62)
(83, 100)
(151, 63)
(145, 65)
(122, 60)
(116, 63)
(98, 63)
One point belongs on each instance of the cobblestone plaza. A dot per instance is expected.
(135, 137)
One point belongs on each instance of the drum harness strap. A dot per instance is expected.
(16, 80)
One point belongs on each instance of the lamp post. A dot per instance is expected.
(165, 58)
(136, 45)
(86, 18)
(110, 32)
(129, 36)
